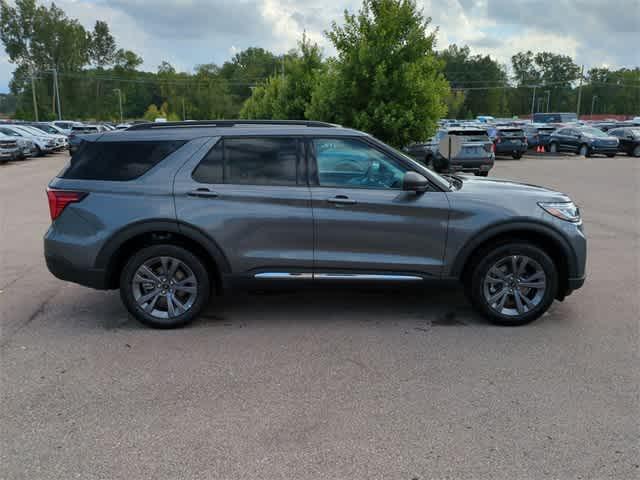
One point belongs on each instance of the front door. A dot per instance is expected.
(364, 222)
(250, 195)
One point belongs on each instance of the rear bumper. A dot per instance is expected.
(509, 149)
(64, 270)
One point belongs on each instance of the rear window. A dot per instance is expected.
(471, 135)
(118, 161)
(512, 133)
(84, 129)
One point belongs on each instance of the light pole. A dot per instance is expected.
(119, 102)
(593, 103)
(533, 102)
(548, 92)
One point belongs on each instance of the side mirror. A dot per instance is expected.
(414, 182)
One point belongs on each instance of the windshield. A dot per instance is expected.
(11, 133)
(593, 132)
(635, 132)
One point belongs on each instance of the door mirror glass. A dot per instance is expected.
(414, 182)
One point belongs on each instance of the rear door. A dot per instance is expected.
(365, 224)
(249, 194)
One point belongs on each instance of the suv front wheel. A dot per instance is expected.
(513, 284)
(165, 286)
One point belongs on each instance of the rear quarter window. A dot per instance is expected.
(118, 161)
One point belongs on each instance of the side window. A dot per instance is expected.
(261, 161)
(211, 167)
(352, 163)
(118, 161)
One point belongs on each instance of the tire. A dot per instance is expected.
(171, 306)
(482, 174)
(636, 151)
(584, 151)
(553, 147)
(611, 155)
(39, 152)
(516, 156)
(480, 288)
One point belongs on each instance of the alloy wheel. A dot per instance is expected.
(515, 285)
(164, 287)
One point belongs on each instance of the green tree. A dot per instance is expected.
(288, 96)
(247, 69)
(102, 46)
(480, 78)
(127, 60)
(386, 79)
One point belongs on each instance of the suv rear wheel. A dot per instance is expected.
(514, 284)
(165, 286)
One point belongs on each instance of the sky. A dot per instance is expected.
(190, 32)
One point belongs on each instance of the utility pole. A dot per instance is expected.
(56, 87)
(119, 102)
(548, 92)
(580, 93)
(33, 94)
(593, 102)
(533, 102)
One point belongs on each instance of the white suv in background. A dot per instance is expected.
(43, 143)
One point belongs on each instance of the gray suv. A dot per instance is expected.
(476, 155)
(172, 213)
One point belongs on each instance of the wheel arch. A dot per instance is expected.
(125, 242)
(543, 236)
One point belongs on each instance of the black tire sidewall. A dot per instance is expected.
(192, 261)
(475, 290)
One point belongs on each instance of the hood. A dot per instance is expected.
(506, 189)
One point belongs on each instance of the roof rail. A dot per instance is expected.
(228, 123)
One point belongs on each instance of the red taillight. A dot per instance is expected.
(59, 199)
(493, 147)
(498, 140)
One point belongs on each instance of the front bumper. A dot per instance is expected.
(605, 150)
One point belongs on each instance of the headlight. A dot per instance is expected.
(564, 211)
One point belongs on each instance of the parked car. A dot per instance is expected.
(65, 125)
(585, 141)
(629, 140)
(77, 135)
(476, 155)
(508, 141)
(9, 149)
(42, 142)
(538, 135)
(566, 117)
(61, 141)
(250, 204)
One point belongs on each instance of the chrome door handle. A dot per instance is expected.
(341, 200)
(203, 193)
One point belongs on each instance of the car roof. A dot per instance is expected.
(185, 133)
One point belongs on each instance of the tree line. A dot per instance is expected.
(387, 78)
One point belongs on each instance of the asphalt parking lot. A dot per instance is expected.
(342, 385)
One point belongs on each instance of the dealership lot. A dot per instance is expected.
(325, 384)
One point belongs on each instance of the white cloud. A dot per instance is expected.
(190, 32)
